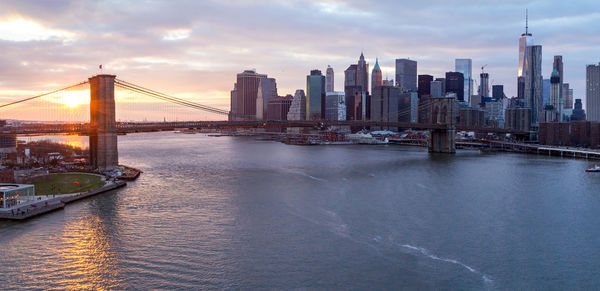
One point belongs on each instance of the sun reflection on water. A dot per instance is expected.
(89, 257)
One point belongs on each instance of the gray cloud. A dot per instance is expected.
(286, 39)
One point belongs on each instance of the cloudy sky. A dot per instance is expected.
(194, 49)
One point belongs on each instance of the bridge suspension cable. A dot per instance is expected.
(42, 95)
(165, 97)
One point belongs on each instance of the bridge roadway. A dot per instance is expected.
(131, 127)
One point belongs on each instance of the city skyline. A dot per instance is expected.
(198, 55)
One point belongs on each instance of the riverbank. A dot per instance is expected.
(501, 146)
(55, 202)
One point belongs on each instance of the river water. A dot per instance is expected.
(237, 213)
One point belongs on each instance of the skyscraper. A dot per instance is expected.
(592, 92)
(298, 108)
(267, 90)
(335, 106)
(390, 104)
(329, 80)
(465, 66)
(424, 87)
(525, 40)
(406, 74)
(246, 93)
(567, 94)
(233, 111)
(362, 73)
(545, 92)
(455, 83)
(443, 87)
(578, 112)
(278, 107)
(436, 89)
(315, 96)
(558, 66)
(376, 77)
(350, 76)
(353, 93)
(484, 85)
(555, 103)
(356, 82)
(532, 97)
(497, 92)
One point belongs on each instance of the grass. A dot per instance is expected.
(64, 183)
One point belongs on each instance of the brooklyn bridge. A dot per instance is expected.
(102, 125)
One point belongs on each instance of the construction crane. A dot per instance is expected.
(482, 67)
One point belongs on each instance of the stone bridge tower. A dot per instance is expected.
(103, 136)
(443, 140)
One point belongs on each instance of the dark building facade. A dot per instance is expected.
(315, 96)
(575, 133)
(472, 117)
(246, 91)
(578, 112)
(518, 119)
(390, 104)
(497, 92)
(424, 87)
(354, 102)
(278, 108)
(455, 82)
(406, 74)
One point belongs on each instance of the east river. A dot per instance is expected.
(238, 213)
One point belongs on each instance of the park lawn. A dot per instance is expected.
(63, 183)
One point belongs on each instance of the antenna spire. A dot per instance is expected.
(526, 21)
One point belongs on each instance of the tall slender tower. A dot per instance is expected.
(558, 66)
(376, 76)
(329, 84)
(555, 100)
(484, 85)
(592, 92)
(315, 96)
(465, 66)
(533, 82)
(525, 40)
(362, 73)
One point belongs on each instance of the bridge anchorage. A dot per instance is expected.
(443, 140)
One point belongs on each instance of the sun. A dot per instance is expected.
(73, 99)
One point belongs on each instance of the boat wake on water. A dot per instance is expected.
(426, 253)
(334, 223)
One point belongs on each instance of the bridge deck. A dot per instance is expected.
(125, 127)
